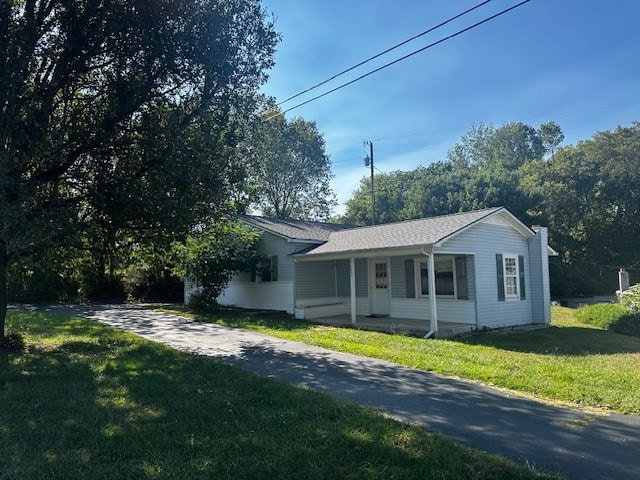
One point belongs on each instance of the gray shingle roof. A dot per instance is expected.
(295, 229)
(412, 233)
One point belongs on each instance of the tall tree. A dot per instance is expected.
(482, 170)
(590, 196)
(92, 97)
(288, 169)
(494, 158)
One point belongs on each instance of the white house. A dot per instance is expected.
(486, 267)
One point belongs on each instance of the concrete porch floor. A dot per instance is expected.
(407, 326)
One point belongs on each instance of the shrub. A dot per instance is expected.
(210, 258)
(201, 303)
(611, 316)
(631, 298)
(13, 342)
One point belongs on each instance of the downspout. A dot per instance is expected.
(295, 285)
(432, 294)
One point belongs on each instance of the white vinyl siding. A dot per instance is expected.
(272, 295)
(485, 241)
(316, 280)
(539, 278)
(259, 295)
(449, 309)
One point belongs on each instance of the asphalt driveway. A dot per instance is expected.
(557, 440)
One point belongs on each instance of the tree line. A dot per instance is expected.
(588, 195)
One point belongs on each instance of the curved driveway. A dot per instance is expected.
(570, 442)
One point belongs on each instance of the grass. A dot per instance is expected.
(611, 316)
(88, 401)
(570, 362)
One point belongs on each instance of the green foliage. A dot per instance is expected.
(117, 120)
(45, 278)
(208, 259)
(482, 170)
(133, 272)
(631, 298)
(611, 316)
(288, 171)
(149, 274)
(589, 197)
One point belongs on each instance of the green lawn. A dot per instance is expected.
(87, 401)
(568, 362)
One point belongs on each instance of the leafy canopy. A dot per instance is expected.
(115, 116)
(288, 171)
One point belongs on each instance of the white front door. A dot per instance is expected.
(379, 287)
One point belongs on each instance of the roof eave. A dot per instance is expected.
(369, 253)
(299, 240)
(278, 234)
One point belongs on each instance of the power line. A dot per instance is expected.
(426, 149)
(432, 132)
(460, 32)
(384, 52)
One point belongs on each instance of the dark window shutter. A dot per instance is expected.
(274, 268)
(521, 272)
(254, 269)
(409, 279)
(500, 272)
(462, 283)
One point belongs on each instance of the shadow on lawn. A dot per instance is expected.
(246, 319)
(478, 416)
(628, 324)
(82, 410)
(564, 341)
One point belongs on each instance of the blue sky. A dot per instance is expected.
(576, 62)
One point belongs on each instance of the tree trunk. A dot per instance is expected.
(3, 288)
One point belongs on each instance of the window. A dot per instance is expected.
(266, 269)
(511, 276)
(382, 280)
(445, 276)
(450, 276)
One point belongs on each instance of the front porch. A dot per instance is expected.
(406, 326)
(389, 294)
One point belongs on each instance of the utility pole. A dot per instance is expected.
(368, 161)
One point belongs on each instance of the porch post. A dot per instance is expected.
(432, 293)
(352, 278)
(293, 290)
